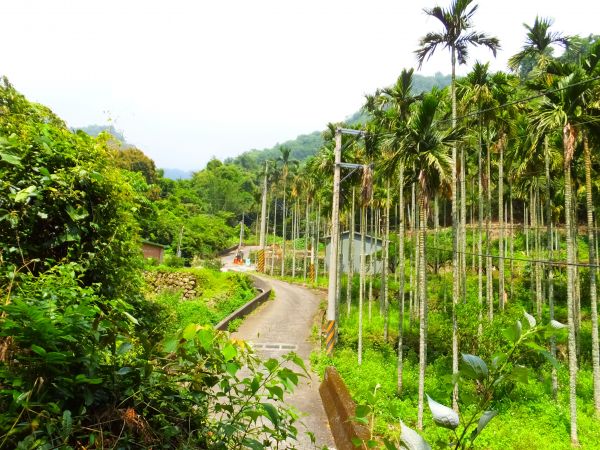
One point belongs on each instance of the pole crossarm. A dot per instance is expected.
(351, 131)
(353, 166)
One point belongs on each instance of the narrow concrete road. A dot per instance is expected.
(282, 325)
(227, 260)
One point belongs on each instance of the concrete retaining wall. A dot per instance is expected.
(340, 408)
(265, 292)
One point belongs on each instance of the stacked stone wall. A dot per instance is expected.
(158, 281)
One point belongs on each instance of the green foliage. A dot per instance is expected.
(61, 201)
(220, 293)
(135, 160)
(78, 374)
(83, 360)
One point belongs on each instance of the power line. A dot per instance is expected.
(508, 258)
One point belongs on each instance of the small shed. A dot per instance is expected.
(153, 250)
(372, 246)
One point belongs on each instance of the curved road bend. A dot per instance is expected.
(283, 325)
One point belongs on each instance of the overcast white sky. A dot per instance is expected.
(188, 80)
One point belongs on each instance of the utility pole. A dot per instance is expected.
(331, 329)
(179, 243)
(242, 230)
(263, 224)
(333, 252)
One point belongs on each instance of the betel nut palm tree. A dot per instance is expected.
(538, 48)
(569, 97)
(457, 36)
(389, 108)
(425, 146)
(285, 161)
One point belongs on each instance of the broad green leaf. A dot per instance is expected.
(10, 158)
(271, 364)
(124, 348)
(55, 357)
(473, 367)
(39, 350)
(205, 336)
(484, 420)
(67, 424)
(131, 318)
(124, 370)
(411, 439)
(299, 362)
(229, 352)
(389, 445)
(24, 194)
(253, 444)
(535, 346)
(275, 391)
(77, 214)
(189, 332)
(170, 345)
(232, 368)
(551, 359)
(513, 333)
(357, 442)
(442, 415)
(498, 360)
(362, 411)
(272, 413)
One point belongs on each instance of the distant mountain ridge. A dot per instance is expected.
(95, 130)
(307, 145)
(177, 174)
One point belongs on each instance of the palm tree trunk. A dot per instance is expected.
(436, 229)
(480, 233)
(463, 226)
(576, 281)
(370, 267)
(512, 245)
(593, 292)
(501, 224)
(294, 232)
(386, 257)
(350, 258)
(306, 238)
(361, 289)
(473, 232)
(284, 226)
(455, 240)
(402, 275)
(267, 234)
(537, 264)
(569, 145)
(488, 249)
(274, 234)
(316, 250)
(422, 281)
(550, 247)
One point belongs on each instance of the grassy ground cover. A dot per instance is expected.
(528, 417)
(221, 294)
